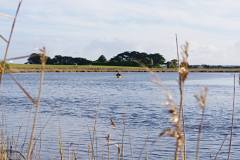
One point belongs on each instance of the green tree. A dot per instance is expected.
(66, 60)
(172, 64)
(135, 58)
(101, 59)
(157, 59)
(34, 58)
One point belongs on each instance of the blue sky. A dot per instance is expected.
(89, 28)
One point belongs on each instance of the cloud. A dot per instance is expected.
(86, 28)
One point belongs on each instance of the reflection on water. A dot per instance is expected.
(71, 101)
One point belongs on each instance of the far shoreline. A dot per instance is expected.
(25, 68)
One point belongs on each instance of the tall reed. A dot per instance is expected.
(202, 100)
(176, 112)
(8, 42)
(43, 59)
(232, 121)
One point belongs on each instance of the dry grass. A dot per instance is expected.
(24, 68)
(8, 42)
(15, 68)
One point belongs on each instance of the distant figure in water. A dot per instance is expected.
(118, 75)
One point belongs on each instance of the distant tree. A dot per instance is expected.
(205, 66)
(101, 59)
(34, 58)
(135, 58)
(127, 59)
(157, 59)
(81, 61)
(172, 64)
(66, 60)
(57, 59)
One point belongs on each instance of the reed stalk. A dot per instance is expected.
(232, 122)
(202, 98)
(144, 148)
(123, 135)
(94, 153)
(199, 135)
(118, 151)
(37, 103)
(181, 113)
(60, 145)
(8, 41)
(108, 145)
(177, 49)
(93, 140)
(89, 152)
(220, 148)
(131, 150)
(183, 73)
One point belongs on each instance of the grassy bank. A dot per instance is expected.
(91, 68)
(82, 68)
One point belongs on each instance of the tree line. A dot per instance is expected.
(133, 58)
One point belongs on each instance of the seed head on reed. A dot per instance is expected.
(176, 112)
(183, 68)
(169, 132)
(172, 109)
(176, 130)
(37, 106)
(202, 98)
(43, 57)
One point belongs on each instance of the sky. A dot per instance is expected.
(89, 28)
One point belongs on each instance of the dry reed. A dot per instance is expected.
(232, 121)
(8, 41)
(202, 100)
(37, 103)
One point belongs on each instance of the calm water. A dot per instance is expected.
(71, 101)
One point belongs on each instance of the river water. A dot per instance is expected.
(71, 102)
